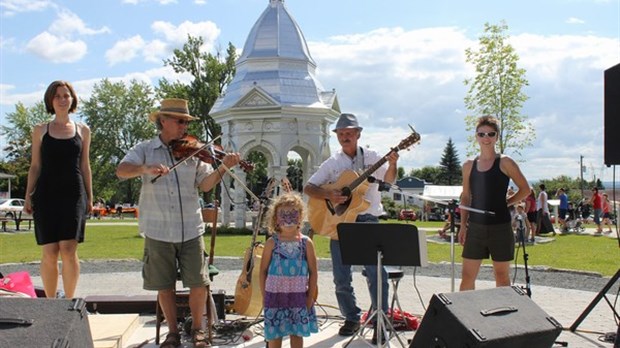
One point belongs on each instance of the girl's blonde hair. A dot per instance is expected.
(291, 199)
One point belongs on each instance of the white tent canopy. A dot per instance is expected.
(437, 194)
(442, 192)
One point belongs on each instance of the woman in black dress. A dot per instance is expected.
(59, 191)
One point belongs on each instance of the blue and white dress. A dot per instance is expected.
(286, 289)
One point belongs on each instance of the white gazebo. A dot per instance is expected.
(275, 104)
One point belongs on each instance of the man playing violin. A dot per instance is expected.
(170, 216)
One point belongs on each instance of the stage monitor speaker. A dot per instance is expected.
(42, 322)
(612, 115)
(499, 318)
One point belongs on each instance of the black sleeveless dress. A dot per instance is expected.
(59, 200)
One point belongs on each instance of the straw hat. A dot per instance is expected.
(173, 107)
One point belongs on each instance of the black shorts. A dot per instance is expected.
(482, 241)
(562, 213)
(531, 216)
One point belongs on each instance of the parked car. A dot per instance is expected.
(436, 214)
(406, 214)
(12, 207)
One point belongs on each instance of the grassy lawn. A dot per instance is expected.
(575, 252)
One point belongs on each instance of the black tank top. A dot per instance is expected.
(488, 191)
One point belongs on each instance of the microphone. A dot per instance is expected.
(383, 186)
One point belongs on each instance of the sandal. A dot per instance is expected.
(199, 337)
(173, 340)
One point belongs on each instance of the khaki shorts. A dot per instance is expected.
(161, 260)
(482, 241)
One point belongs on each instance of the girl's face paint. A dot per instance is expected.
(287, 216)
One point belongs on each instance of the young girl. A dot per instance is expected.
(288, 274)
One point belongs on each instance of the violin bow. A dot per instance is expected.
(194, 153)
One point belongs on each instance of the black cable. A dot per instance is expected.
(415, 286)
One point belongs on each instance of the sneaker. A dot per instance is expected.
(349, 328)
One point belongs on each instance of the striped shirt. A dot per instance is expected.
(169, 208)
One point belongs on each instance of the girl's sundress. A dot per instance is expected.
(286, 291)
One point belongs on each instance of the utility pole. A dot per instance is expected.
(581, 174)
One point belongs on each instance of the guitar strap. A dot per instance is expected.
(358, 161)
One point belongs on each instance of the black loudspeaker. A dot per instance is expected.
(612, 115)
(42, 322)
(499, 318)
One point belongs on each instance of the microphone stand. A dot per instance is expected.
(521, 236)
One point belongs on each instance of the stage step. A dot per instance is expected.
(112, 330)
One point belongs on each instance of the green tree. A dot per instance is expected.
(18, 135)
(257, 178)
(211, 73)
(496, 90)
(118, 118)
(400, 173)
(451, 170)
(295, 174)
(429, 174)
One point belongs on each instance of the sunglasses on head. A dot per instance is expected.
(487, 134)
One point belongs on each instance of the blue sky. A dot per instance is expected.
(392, 63)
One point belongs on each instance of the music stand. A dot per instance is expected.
(381, 244)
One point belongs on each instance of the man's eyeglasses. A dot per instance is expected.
(488, 134)
(179, 121)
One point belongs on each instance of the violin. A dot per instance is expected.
(188, 145)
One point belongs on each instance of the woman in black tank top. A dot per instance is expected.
(485, 184)
(59, 189)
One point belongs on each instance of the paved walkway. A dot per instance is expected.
(414, 294)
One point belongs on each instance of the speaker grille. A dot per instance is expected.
(612, 115)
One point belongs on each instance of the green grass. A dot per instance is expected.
(575, 252)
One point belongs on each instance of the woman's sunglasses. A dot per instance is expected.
(488, 134)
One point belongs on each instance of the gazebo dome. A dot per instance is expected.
(276, 60)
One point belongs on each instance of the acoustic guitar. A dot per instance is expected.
(324, 216)
(248, 296)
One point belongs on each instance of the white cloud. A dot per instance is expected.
(177, 35)
(124, 50)
(574, 20)
(155, 51)
(6, 43)
(392, 77)
(68, 23)
(162, 2)
(58, 44)
(56, 49)
(12, 7)
(7, 98)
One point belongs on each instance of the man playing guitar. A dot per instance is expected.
(352, 157)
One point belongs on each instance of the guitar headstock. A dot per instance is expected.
(286, 185)
(408, 141)
(268, 191)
